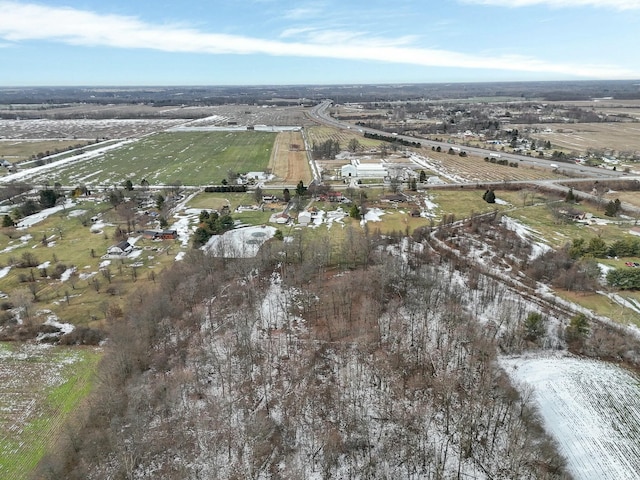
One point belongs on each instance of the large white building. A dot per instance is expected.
(364, 170)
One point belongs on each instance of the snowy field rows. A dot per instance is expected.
(591, 408)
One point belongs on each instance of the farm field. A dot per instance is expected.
(627, 108)
(323, 133)
(289, 159)
(591, 408)
(189, 158)
(40, 386)
(580, 137)
(611, 307)
(72, 129)
(473, 168)
(16, 151)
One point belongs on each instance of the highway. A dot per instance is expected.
(320, 114)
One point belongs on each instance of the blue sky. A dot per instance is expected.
(259, 42)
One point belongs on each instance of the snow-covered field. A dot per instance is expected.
(591, 408)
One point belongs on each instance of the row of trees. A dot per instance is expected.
(628, 246)
(326, 150)
(392, 139)
(627, 279)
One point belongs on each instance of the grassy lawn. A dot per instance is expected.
(462, 203)
(216, 201)
(39, 389)
(84, 298)
(603, 305)
(193, 158)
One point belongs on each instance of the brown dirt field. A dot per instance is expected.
(288, 164)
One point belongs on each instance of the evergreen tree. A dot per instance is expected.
(578, 328)
(611, 210)
(489, 196)
(534, 326)
(7, 221)
(570, 197)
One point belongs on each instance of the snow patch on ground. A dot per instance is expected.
(67, 274)
(240, 242)
(372, 215)
(538, 248)
(32, 220)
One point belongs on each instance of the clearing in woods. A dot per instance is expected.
(289, 159)
(41, 386)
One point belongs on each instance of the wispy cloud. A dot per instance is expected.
(302, 13)
(321, 36)
(27, 22)
(610, 4)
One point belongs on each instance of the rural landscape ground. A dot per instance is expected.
(378, 282)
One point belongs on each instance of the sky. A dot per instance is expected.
(276, 42)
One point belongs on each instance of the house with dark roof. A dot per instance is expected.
(122, 248)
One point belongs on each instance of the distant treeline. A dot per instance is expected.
(392, 139)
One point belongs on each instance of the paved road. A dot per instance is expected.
(320, 113)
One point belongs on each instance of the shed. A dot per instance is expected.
(304, 218)
(122, 248)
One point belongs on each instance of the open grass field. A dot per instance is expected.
(289, 159)
(192, 158)
(39, 387)
(605, 306)
(61, 241)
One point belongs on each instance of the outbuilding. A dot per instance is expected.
(122, 248)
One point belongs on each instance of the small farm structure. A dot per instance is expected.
(304, 218)
(162, 235)
(122, 248)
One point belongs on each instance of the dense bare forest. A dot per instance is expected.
(371, 358)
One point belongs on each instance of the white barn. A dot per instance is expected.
(364, 170)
